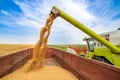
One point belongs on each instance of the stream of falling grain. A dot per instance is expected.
(41, 46)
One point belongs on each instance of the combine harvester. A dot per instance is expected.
(83, 68)
(110, 55)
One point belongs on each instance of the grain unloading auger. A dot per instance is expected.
(111, 55)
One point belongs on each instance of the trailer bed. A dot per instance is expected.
(82, 68)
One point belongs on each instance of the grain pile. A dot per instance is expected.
(45, 73)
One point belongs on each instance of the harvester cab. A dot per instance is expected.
(90, 44)
(109, 54)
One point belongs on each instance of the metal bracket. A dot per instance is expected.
(55, 12)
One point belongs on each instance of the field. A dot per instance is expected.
(11, 48)
(63, 47)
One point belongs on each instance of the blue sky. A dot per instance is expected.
(21, 20)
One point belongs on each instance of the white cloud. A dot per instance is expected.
(32, 14)
(28, 22)
(96, 15)
(5, 13)
(14, 39)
